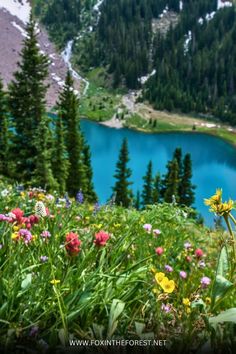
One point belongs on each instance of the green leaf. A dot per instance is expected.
(226, 316)
(26, 282)
(139, 327)
(220, 289)
(198, 303)
(223, 263)
(117, 307)
(62, 336)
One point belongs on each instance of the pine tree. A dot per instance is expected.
(42, 175)
(27, 102)
(60, 157)
(123, 194)
(156, 189)
(68, 109)
(172, 182)
(186, 196)
(147, 193)
(89, 194)
(137, 201)
(4, 134)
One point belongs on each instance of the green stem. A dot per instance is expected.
(61, 313)
(226, 218)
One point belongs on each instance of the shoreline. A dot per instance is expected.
(214, 131)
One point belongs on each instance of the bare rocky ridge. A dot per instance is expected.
(11, 37)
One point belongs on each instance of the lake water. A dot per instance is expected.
(214, 160)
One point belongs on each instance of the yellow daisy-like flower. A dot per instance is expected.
(167, 285)
(159, 277)
(208, 300)
(55, 281)
(216, 205)
(41, 196)
(215, 199)
(186, 301)
(16, 228)
(14, 236)
(22, 194)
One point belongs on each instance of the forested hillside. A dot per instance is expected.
(193, 57)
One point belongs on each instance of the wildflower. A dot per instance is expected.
(147, 227)
(55, 281)
(45, 234)
(96, 208)
(217, 206)
(188, 259)
(43, 259)
(4, 193)
(205, 281)
(33, 331)
(33, 219)
(187, 245)
(101, 238)
(159, 277)
(183, 274)
(186, 302)
(79, 197)
(156, 232)
(166, 308)
(167, 285)
(15, 236)
(199, 253)
(26, 235)
(18, 215)
(208, 300)
(72, 244)
(159, 251)
(202, 264)
(168, 268)
(40, 209)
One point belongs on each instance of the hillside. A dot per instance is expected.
(96, 272)
(183, 50)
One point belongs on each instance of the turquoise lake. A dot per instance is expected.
(214, 160)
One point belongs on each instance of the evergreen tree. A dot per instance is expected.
(156, 189)
(172, 182)
(68, 109)
(27, 103)
(186, 196)
(42, 175)
(123, 194)
(137, 201)
(60, 158)
(89, 194)
(147, 193)
(4, 134)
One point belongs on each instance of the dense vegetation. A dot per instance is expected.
(87, 272)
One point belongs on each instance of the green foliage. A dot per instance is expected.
(147, 193)
(122, 192)
(27, 105)
(4, 134)
(107, 291)
(186, 188)
(89, 193)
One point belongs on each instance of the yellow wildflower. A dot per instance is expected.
(159, 277)
(14, 236)
(215, 199)
(22, 194)
(55, 281)
(216, 205)
(117, 225)
(16, 228)
(41, 196)
(186, 301)
(208, 300)
(188, 310)
(167, 285)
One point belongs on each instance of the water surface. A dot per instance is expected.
(214, 160)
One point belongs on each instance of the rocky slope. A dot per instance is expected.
(13, 18)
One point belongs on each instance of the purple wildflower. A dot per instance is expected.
(43, 259)
(205, 281)
(26, 235)
(168, 268)
(33, 331)
(45, 234)
(183, 274)
(80, 197)
(187, 245)
(166, 308)
(157, 232)
(96, 208)
(147, 227)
